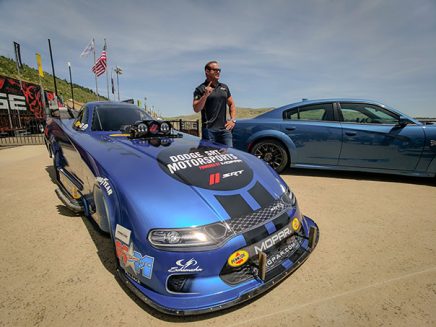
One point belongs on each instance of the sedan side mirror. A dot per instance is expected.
(403, 121)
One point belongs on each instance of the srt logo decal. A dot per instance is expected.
(189, 266)
(269, 242)
(215, 178)
(133, 259)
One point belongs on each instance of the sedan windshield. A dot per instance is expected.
(114, 118)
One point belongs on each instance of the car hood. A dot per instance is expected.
(182, 182)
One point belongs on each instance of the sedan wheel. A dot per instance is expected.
(273, 153)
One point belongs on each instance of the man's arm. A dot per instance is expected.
(198, 104)
(232, 111)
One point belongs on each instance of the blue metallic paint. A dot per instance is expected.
(338, 145)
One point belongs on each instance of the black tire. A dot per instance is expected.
(272, 152)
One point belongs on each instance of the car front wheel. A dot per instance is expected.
(273, 152)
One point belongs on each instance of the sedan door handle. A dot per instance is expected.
(290, 128)
(350, 133)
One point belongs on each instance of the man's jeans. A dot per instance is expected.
(222, 136)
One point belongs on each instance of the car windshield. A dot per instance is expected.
(114, 117)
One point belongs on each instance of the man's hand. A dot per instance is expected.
(208, 89)
(230, 124)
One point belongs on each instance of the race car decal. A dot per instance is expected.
(183, 265)
(271, 241)
(134, 261)
(206, 167)
(238, 258)
(123, 234)
(105, 183)
(296, 224)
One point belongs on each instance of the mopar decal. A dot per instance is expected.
(104, 182)
(269, 242)
(186, 266)
(285, 252)
(134, 260)
(206, 167)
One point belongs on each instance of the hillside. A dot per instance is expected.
(241, 113)
(81, 94)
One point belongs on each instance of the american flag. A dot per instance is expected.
(100, 65)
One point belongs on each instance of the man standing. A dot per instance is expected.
(212, 99)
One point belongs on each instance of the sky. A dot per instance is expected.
(272, 53)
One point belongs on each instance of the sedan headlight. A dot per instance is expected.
(204, 236)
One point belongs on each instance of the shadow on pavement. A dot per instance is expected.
(360, 176)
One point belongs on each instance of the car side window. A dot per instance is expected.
(363, 113)
(311, 112)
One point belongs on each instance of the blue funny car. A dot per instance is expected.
(196, 227)
(340, 134)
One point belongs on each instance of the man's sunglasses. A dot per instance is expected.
(215, 69)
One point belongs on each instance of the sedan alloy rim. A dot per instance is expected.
(270, 153)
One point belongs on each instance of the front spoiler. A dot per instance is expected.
(313, 241)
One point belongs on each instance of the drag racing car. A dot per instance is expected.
(196, 226)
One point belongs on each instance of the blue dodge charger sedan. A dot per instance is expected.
(340, 134)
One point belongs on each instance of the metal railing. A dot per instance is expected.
(187, 126)
(31, 132)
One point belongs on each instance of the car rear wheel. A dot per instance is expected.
(272, 152)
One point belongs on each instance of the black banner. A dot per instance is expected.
(18, 55)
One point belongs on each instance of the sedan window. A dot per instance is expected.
(311, 112)
(367, 114)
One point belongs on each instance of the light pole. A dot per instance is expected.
(145, 103)
(118, 71)
(71, 84)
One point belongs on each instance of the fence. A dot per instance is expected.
(31, 132)
(187, 126)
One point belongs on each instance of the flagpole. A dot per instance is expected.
(71, 84)
(52, 68)
(112, 85)
(18, 61)
(107, 75)
(96, 84)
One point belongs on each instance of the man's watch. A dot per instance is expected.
(233, 120)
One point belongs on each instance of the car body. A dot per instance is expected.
(196, 226)
(340, 134)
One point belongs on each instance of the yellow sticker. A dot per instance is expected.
(295, 224)
(119, 135)
(238, 258)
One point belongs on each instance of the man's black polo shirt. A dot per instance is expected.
(213, 115)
